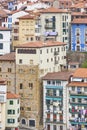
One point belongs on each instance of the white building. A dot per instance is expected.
(55, 24)
(49, 56)
(5, 40)
(77, 100)
(12, 111)
(3, 90)
(54, 100)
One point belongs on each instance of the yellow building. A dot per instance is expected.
(29, 29)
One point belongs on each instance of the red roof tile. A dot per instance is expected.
(79, 21)
(80, 73)
(40, 44)
(8, 57)
(58, 75)
(54, 10)
(12, 96)
(78, 84)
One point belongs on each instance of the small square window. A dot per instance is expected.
(11, 102)
(20, 61)
(32, 123)
(1, 45)
(21, 86)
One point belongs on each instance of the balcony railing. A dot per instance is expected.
(77, 123)
(54, 121)
(50, 34)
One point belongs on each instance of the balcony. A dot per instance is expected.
(47, 20)
(50, 34)
(54, 121)
(53, 95)
(73, 122)
(78, 103)
(58, 87)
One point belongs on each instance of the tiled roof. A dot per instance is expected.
(40, 44)
(79, 21)
(27, 17)
(80, 73)
(78, 5)
(78, 84)
(54, 10)
(58, 75)
(78, 14)
(8, 57)
(12, 95)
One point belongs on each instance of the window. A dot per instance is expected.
(21, 108)
(79, 100)
(1, 98)
(48, 127)
(8, 83)
(53, 82)
(73, 99)
(73, 88)
(1, 45)
(51, 49)
(28, 108)
(31, 85)
(15, 38)
(9, 69)
(20, 61)
(11, 111)
(23, 121)
(18, 101)
(15, 30)
(1, 36)
(54, 127)
(11, 120)
(85, 89)
(40, 51)
(31, 38)
(32, 123)
(48, 82)
(18, 110)
(31, 61)
(11, 102)
(47, 60)
(0, 69)
(61, 127)
(21, 86)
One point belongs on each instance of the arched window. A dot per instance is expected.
(23, 121)
(1, 36)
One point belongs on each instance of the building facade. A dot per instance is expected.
(5, 40)
(8, 70)
(79, 35)
(3, 99)
(32, 62)
(29, 28)
(12, 111)
(77, 100)
(54, 100)
(55, 25)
